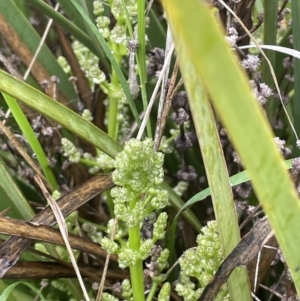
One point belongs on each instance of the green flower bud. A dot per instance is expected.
(160, 226)
(117, 10)
(56, 195)
(102, 22)
(126, 289)
(97, 75)
(110, 229)
(87, 115)
(127, 257)
(163, 259)
(118, 35)
(146, 248)
(98, 8)
(161, 200)
(110, 246)
(202, 263)
(109, 297)
(164, 294)
(70, 150)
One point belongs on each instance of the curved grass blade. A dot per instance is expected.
(235, 180)
(244, 120)
(289, 51)
(5, 294)
(296, 44)
(18, 202)
(59, 113)
(31, 138)
(216, 171)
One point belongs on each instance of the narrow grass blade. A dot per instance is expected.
(31, 138)
(54, 110)
(235, 180)
(244, 120)
(296, 45)
(18, 202)
(5, 294)
(216, 172)
(269, 36)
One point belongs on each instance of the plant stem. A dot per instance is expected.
(152, 291)
(113, 124)
(141, 54)
(136, 271)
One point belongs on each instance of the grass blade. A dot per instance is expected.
(243, 118)
(296, 44)
(31, 138)
(59, 113)
(18, 202)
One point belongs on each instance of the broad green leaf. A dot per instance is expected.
(243, 118)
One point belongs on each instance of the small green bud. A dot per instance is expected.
(117, 10)
(109, 297)
(145, 249)
(102, 22)
(181, 187)
(111, 228)
(163, 259)
(127, 257)
(56, 195)
(110, 246)
(160, 226)
(98, 8)
(87, 115)
(123, 214)
(164, 294)
(97, 75)
(126, 289)
(70, 150)
(161, 200)
(118, 35)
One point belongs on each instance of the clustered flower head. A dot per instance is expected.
(201, 262)
(138, 172)
(138, 167)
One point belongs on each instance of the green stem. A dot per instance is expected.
(141, 58)
(113, 124)
(136, 271)
(152, 291)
